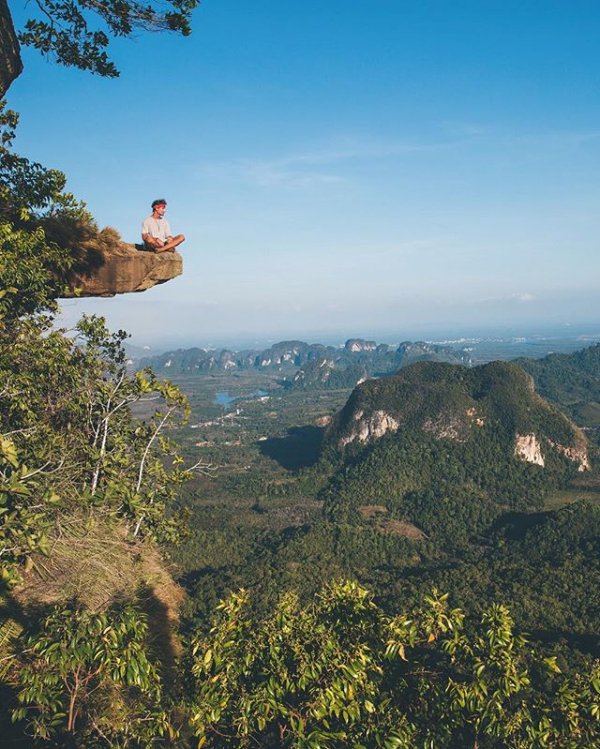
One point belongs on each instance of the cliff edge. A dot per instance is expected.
(120, 269)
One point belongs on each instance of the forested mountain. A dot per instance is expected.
(448, 448)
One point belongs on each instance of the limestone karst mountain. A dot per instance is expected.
(438, 437)
(315, 365)
(455, 403)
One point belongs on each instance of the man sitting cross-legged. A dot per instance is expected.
(156, 232)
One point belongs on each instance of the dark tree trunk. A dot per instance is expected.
(10, 57)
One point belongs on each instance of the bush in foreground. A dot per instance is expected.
(340, 673)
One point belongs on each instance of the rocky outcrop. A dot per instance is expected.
(445, 427)
(409, 352)
(356, 345)
(576, 453)
(528, 448)
(370, 427)
(121, 269)
(454, 427)
(10, 57)
(315, 371)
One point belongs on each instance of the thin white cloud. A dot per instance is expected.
(503, 135)
(265, 173)
(315, 166)
(465, 129)
(328, 164)
(559, 139)
(520, 297)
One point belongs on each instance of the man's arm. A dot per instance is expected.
(152, 241)
(147, 237)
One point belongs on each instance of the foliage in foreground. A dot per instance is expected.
(341, 673)
(74, 456)
(81, 661)
(71, 442)
(87, 676)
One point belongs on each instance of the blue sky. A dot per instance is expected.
(387, 168)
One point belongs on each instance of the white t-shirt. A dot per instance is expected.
(156, 227)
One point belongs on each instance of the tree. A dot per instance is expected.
(339, 672)
(74, 458)
(73, 455)
(10, 59)
(77, 32)
(65, 411)
(86, 677)
(32, 264)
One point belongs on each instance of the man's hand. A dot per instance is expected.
(151, 241)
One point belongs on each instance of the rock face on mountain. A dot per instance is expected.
(356, 345)
(121, 269)
(369, 427)
(457, 404)
(528, 448)
(10, 58)
(323, 373)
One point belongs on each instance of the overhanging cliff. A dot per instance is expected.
(122, 269)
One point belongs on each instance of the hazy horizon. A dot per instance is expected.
(584, 334)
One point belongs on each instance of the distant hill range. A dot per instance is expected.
(309, 365)
(572, 381)
(436, 443)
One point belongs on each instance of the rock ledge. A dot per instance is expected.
(121, 270)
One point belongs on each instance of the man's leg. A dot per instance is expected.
(153, 245)
(172, 243)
